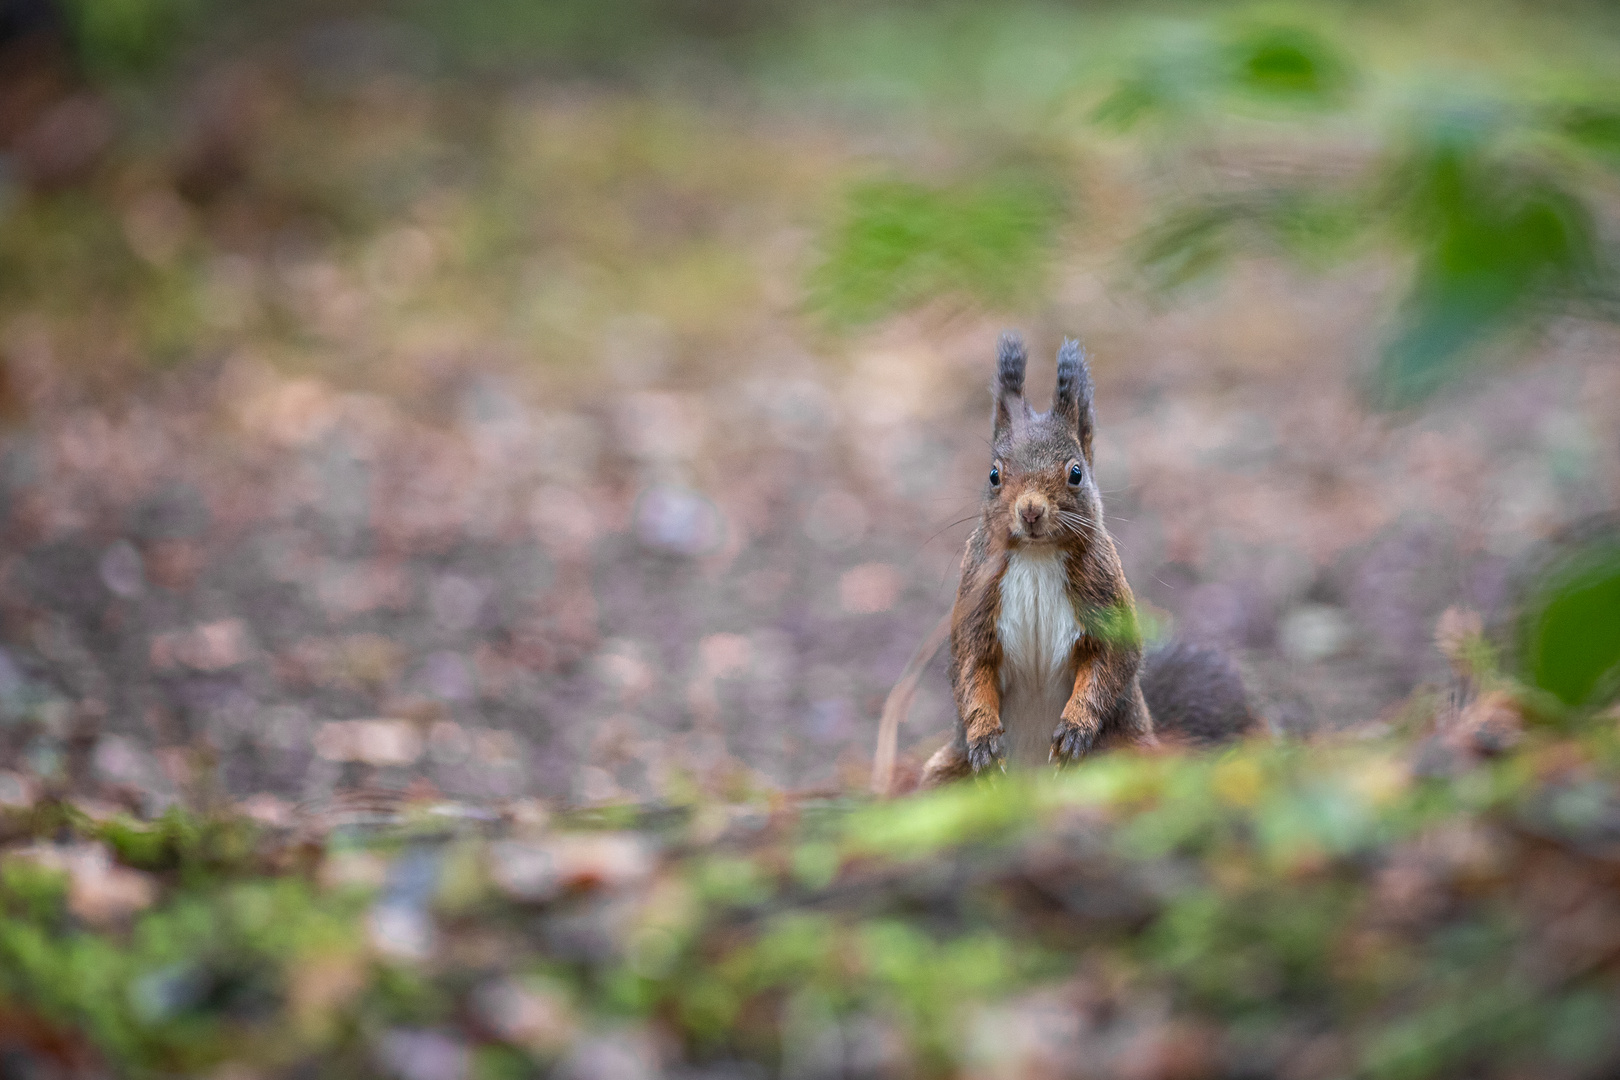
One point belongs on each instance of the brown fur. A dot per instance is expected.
(1179, 694)
(1031, 502)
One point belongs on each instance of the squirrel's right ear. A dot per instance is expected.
(1072, 397)
(1011, 410)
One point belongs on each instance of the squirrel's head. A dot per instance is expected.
(1040, 488)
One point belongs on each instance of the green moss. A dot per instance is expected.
(197, 847)
(31, 892)
(920, 827)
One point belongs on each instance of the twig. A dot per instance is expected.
(898, 704)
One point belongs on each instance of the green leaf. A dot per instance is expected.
(1594, 127)
(1130, 101)
(901, 243)
(1570, 635)
(120, 38)
(1292, 65)
(1498, 242)
(1188, 245)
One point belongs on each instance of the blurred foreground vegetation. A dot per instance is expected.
(1394, 908)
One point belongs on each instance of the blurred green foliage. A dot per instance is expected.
(615, 35)
(32, 892)
(1484, 177)
(1501, 228)
(1315, 228)
(121, 39)
(1269, 886)
(1594, 125)
(181, 990)
(1498, 240)
(1289, 63)
(180, 842)
(1503, 231)
(1190, 76)
(1570, 630)
(900, 243)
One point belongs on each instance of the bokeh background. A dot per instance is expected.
(470, 473)
(594, 393)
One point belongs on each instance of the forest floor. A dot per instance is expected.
(550, 474)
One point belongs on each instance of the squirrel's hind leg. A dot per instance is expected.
(1138, 721)
(1131, 725)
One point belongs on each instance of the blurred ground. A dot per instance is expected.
(504, 437)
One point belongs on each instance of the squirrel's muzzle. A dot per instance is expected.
(1030, 511)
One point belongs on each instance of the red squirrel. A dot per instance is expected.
(1046, 650)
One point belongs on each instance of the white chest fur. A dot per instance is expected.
(1038, 631)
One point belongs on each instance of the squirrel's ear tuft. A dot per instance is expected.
(1072, 397)
(1011, 408)
(1010, 362)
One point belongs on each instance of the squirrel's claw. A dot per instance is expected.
(1071, 742)
(982, 753)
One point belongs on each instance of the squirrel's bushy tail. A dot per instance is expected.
(1195, 694)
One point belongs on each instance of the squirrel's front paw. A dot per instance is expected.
(985, 752)
(1071, 742)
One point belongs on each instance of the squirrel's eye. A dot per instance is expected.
(995, 476)
(1075, 475)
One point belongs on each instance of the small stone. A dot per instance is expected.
(100, 892)
(564, 520)
(524, 871)
(387, 742)
(448, 677)
(678, 521)
(457, 602)
(122, 570)
(267, 809)
(210, 647)
(401, 931)
(121, 761)
(495, 747)
(99, 811)
(448, 742)
(529, 815)
(536, 1017)
(537, 871)
(376, 742)
(17, 791)
(620, 664)
(103, 894)
(629, 1055)
(424, 1055)
(725, 655)
(353, 870)
(1314, 632)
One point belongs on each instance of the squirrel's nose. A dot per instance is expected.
(1031, 512)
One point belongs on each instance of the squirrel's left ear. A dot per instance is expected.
(1011, 411)
(1072, 397)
